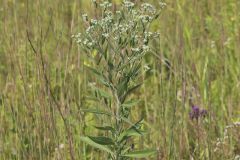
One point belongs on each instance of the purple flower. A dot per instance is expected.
(203, 113)
(196, 113)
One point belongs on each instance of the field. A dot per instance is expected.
(45, 83)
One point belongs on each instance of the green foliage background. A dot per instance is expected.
(200, 41)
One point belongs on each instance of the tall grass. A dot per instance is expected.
(44, 84)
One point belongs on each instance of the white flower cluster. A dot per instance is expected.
(83, 41)
(106, 5)
(107, 20)
(128, 4)
(85, 17)
(123, 29)
(224, 140)
(162, 4)
(145, 18)
(93, 22)
(148, 8)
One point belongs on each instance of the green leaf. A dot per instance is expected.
(105, 52)
(127, 120)
(103, 40)
(105, 128)
(130, 103)
(134, 72)
(101, 92)
(140, 154)
(102, 140)
(110, 65)
(104, 94)
(99, 59)
(105, 83)
(134, 88)
(130, 91)
(101, 77)
(96, 145)
(129, 133)
(96, 111)
(93, 70)
(122, 86)
(138, 124)
(134, 130)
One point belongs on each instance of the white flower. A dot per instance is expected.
(118, 12)
(90, 44)
(61, 146)
(156, 34)
(93, 21)
(85, 17)
(162, 4)
(106, 35)
(145, 18)
(148, 34)
(146, 68)
(88, 29)
(128, 4)
(85, 42)
(146, 48)
(105, 5)
(79, 41)
(148, 8)
(135, 49)
(77, 36)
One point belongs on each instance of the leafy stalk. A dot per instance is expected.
(117, 43)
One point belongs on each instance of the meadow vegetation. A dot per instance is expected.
(188, 102)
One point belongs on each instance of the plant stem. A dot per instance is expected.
(118, 123)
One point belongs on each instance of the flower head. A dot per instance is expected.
(197, 113)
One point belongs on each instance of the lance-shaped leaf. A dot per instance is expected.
(133, 88)
(135, 70)
(105, 83)
(96, 145)
(96, 111)
(130, 133)
(130, 90)
(102, 140)
(140, 154)
(134, 130)
(106, 128)
(104, 94)
(122, 86)
(93, 70)
(101, 77)
(101, 93)
(130, 103)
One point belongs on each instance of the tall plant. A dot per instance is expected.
(116, 43)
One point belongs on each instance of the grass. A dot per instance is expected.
(199, 41)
